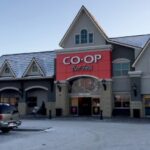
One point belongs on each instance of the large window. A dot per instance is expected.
(84, 37)
(121, 67)
(121, 105)
(121, 101)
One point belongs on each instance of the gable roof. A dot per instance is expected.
(9, 66)
(30, 65)
(75, 20)
(136, 40)
(141, 53)
(20, 62)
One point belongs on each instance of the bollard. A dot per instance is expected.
(101, 115)
(50, 114)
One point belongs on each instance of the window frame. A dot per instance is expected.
(122, 102)
(80, 37)
(76, 39)
(89, 37)
(34, 65)
(121, 62)
(84, 36)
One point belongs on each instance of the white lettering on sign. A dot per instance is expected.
(87, 59)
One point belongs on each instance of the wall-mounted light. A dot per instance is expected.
(104, 84)
(58, 86)
(134, 87)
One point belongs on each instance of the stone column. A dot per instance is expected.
(106, 98)
(22, 103)
(136, 103)
(62, 98)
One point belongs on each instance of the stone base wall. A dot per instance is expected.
(136, 105)
(22, 108)
(50, 108)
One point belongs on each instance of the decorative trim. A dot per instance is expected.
(78, 76)
(9, 88)
(9, 66)
(135, 73)
(83, 49)
(35, 87)
(121, 60)
(29, 66)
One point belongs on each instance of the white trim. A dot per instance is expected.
(121, 60)
(77, 76)
(135, 73)
(35, 87)
(84, 49)
(78, 95)
(29, 66)
(141, 53)
(9, 88)
(26, 78)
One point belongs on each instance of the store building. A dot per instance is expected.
(90, 74)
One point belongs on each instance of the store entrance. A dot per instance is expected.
(84, 106)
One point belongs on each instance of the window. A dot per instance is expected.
(121, 67)
(34, 68)
(77, 39)
(7, 70)
(90, 37)
(84, 36)
(121, 101)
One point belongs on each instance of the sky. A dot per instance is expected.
(39, 25)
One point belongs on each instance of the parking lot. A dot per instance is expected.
(78, 133)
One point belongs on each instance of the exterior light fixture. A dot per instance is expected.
(58, 86)
(134, 87)
(104, 84)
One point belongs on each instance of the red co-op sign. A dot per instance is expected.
(93, 63)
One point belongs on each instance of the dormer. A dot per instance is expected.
(33, 69)
(6, 70)
(84, 31)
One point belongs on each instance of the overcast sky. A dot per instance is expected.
(39, 25)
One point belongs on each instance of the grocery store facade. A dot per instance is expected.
(90, 74)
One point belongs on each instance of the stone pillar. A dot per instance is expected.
(22, 103)
(62, 98)
(106, 98)
(136, 103)
(50, 108)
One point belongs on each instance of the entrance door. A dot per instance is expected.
(85, 104)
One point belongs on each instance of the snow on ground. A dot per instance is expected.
(79, 134)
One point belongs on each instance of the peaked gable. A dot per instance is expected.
(33, 69)
(83, 20)
(147, 45)
(6, 70)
